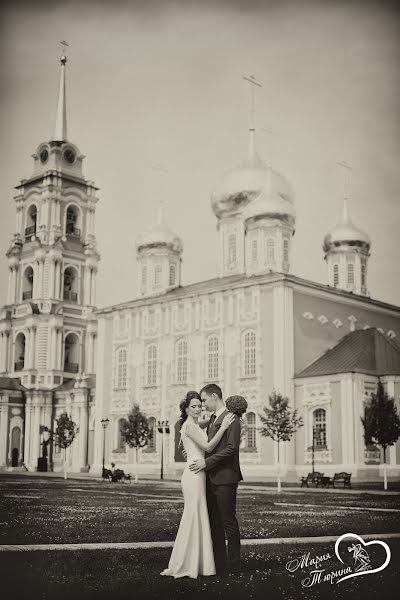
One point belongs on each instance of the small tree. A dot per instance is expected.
(381, 423)
(136, 432)
(65, 433)
(280, 422)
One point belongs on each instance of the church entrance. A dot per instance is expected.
(15, 446)
(178, 447)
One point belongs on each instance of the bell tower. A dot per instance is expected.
(48, 327)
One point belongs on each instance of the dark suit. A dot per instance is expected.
(222, 477)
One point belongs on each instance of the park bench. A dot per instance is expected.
(316, 478)
(342, 477)
(117, 475)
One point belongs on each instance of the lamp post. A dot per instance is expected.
(163, 427)
(104, 423)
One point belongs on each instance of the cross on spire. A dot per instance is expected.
(253, 83)
(160, 170)
(346, 168)
(60, 130)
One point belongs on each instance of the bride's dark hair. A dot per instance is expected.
(185, 403)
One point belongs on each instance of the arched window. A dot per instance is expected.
(121, 443)
(363, 275)
(350, 273)
(286, 251)
(270, 250)
(19, 359)
(254, 251)
(122, 357)
(232, 249)
(335, 274)
(181, 361)
(71, 353)
(70, 289)
(212, 358)
(31, 221)
(27, 284)
(157, 274)
(319, 427)
(72, 219)
(151, 366)
(249, 353)
(172, 274)
(152, 443)
(251, 439)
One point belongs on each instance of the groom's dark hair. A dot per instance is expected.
(212, 388)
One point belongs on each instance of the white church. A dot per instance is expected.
(254, 328)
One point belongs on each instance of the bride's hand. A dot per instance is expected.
(227, 421)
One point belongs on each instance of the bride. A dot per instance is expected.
(192, 554)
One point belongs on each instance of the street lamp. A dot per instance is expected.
(104, 423)
(163, 427)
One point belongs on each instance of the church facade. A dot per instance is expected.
(252, 329)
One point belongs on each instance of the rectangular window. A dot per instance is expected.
(157, 274)
(335, 275)
(350, 273)
(254, 251)
(232, 250)
(172, 270)
(144, 277)
(286, 251)
(270, 250)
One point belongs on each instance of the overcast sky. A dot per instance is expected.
(161, 83)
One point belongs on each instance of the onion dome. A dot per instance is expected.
(346, 233)
(275, 200)
(159, 235)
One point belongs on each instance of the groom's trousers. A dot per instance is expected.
(221, 504)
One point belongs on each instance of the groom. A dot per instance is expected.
(222, 476)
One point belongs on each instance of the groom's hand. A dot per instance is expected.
(197, 465)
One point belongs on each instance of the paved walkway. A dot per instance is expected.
(147, 545)
(266, 488)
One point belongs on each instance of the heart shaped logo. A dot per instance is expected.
(361, 556)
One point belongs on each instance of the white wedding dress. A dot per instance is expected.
(192, 554)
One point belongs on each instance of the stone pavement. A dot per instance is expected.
(264, 487)
(147, 545)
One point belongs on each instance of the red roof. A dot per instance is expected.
(360, 351)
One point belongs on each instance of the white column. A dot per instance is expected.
(57, 280)
(59, 349)
(9, 301)
(50, 292)
(91, 287)
(94, 287)
(82, 436)
(3, 430)
(53, 349)
(100, 400)
(85, 286)
(2, 353)
(27, 435)
(32, 347)
(35, 444)
(6, 337)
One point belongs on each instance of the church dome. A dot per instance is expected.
(159, 234)
(276, 200)
(242, 185)
(346, 233)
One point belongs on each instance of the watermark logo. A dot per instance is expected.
(361, 557)
(356, 552)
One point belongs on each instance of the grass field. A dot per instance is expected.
(34, 511)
